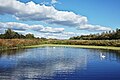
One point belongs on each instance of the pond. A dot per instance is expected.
(59, 63)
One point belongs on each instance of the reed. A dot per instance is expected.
(10, 43)
(115, 43)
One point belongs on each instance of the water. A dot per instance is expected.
(59, 63)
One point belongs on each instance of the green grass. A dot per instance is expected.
(76, 46)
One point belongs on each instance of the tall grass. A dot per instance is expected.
(10, 43)
(115, 43)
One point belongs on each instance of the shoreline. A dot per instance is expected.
(75, 46)
(60, 45)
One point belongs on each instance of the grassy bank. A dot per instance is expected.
(75, 46)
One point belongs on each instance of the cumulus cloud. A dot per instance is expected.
(63, 35)
(16, 26)
(23, 27)
(53, 30)
(43, 29)
(94, 27)
(54, 35)
(2, 31)
(47, 32)
(48, 14)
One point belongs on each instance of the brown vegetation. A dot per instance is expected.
(115, 43)
(19, 43)
(9, 43)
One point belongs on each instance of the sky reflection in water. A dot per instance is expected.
(59, 63)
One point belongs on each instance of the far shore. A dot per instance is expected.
(75, 46)
(60, 45)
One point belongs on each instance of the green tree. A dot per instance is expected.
(29, 36)
(9, 34)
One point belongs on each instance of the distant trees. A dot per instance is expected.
(111, 35)
(10, 34)
(29, 36)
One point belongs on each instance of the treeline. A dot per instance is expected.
(10, 34)
(110, 35)
(13, 40)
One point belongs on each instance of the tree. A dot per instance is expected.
(9, 34)
(29, 36)
(2, 36)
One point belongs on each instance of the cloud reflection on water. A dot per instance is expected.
(47, 62)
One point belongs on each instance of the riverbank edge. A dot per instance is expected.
(60, 45)
(75, 46)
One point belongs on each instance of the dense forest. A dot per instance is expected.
(10, 34)
(111, 35)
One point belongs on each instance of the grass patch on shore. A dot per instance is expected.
(75, 46)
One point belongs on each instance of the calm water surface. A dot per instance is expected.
(59, 63)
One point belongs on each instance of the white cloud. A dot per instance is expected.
(16, 26)
(53, 30)
(47, 32)
(63, 35)
(2, 31)
(94, 27)
(1, 25)
(37, 12)
(44, 3)
(23, 27)
(53, 35)
(54, 1)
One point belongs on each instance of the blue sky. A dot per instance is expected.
(59, 18)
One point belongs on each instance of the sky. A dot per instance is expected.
(59, 19)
